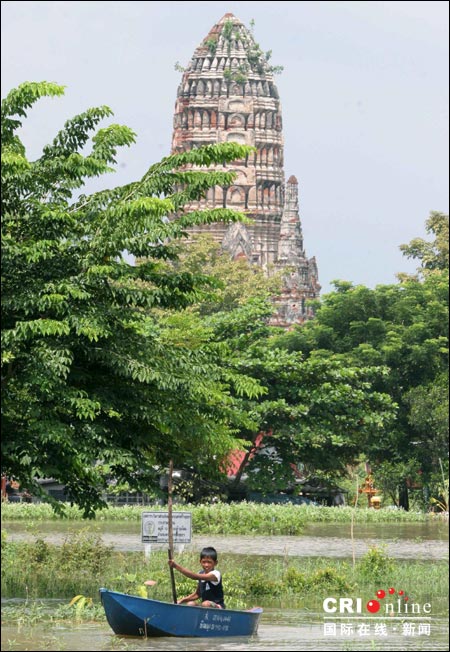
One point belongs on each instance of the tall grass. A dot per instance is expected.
(225, 518)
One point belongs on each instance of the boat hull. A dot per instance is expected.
(130, 615)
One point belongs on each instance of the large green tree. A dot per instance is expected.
(96, 383)
(403, 327)
(318, 413)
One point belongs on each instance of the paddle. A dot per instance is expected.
(169, 515)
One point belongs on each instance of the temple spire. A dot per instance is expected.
(228, 94)
(290, 245)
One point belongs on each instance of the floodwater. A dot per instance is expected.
(425, 541)
(279, 630)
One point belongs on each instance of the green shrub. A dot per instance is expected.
(84, 549)
(329, 578)
(295, 580)
(376, 565)
(259, 584)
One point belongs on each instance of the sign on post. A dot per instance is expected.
(155, 527)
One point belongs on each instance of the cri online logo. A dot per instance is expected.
(396, 602)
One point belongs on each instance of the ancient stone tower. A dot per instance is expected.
(227, 93)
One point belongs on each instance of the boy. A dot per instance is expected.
(209, 588)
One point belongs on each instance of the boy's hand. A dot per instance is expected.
(172, 563)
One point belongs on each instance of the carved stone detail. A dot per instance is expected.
(227, 93)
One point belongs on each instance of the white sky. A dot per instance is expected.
(364, 97)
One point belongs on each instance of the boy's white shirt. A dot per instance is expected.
(217, 574)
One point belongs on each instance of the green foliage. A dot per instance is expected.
(40, 568)
(95, 385)
(259, 585)
(432, 255)
(256, 57)
(34, 612)
(211, 44)
(233, 282)
(111, 369)
(267, 579)
(80, 603)
(376, 565)
(240, 76)
(130, 583)
(228, 30)
(324, 579)
(440, 499)
(402, 329)
(248, 518)
(87, 549)
(428, 417)
(222, 518)
(319, 411)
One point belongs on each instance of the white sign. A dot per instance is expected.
(155, 527)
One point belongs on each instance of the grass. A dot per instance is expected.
(223, 518)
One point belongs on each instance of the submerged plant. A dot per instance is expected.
(80, 603)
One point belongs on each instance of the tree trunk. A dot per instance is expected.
(403, 496)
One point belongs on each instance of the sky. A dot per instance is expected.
(364, 96)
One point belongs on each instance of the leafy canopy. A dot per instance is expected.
(96, 383)
(317, 412)
(404, 328)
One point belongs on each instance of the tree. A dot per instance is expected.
(403, 327)
(319, 413)
(432, 255)
(95, 384)
(235, 281)
(316, 412)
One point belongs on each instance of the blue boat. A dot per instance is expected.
(130, 615)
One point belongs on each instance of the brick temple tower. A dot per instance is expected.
(227, 93)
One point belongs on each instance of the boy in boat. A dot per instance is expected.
(209, 588)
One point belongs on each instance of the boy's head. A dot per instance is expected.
(209, 552)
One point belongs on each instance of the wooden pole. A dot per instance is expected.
(169, 515)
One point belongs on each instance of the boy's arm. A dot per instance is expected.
(188, 598)
(211, 577)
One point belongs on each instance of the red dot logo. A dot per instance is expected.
(391, 591)
(373, 606)
(406, 598)
(381, 594)
(401, 592)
